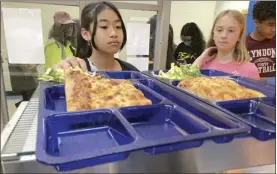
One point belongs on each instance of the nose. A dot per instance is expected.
(224, 34)
(113, 32)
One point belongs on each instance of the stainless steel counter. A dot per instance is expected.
(19, 137)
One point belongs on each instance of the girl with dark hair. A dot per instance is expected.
(102, 35)
(192, 46)
(62, 39)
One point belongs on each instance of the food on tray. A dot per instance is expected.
(56, 75)
(218, 89)
(85, 92)
(53, 75)
(180, 72)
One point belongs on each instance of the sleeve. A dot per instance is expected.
(253, 72)
(52, 56)
(48, 52)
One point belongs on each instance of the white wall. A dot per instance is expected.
(47, 12)
(200, 12)
(232, 5)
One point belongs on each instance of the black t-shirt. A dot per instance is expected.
(124, 65)
(185, 54)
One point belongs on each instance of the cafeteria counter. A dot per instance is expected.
(18, 145)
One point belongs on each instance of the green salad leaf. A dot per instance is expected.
(53, 75)
(180, 72)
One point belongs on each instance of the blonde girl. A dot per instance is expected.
(226, 47)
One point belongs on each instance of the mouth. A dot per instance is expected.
(114, 43)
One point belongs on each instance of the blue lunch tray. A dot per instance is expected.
(73, 140)
(259, 131)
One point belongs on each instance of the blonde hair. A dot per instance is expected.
(240, 52)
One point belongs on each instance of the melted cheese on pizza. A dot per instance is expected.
(218, 89)
(85, 92)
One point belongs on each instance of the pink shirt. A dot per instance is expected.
(246, 69)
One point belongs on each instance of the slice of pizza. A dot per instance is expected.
(218, 89)
(86, 92)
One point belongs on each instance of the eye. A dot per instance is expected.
(103, 27)
(118, 27)
(231, 31)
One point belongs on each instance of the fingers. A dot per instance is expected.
(72, 62)
(82, 64)
(212, 50)
(63, 65)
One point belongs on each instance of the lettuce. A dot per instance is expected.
(53, 75)
(180, 72)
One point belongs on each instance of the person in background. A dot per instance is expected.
(192, 46)
(171, 45)
(62, 39)
(226, 47)
(103, 34)
(261, 43)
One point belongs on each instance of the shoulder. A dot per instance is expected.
(180, 45)
(126, 66)
(49, 42)
(251, 70)
(248, 65)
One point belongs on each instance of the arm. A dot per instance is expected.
(207, 56)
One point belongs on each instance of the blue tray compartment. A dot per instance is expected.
(88, 131)
(259, 116)
(162, 123)
(55, 97)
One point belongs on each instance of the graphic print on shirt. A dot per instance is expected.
(264, 59)
(184, 55)
(235, 73)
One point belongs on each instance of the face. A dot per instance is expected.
(266, 28)
(109, 34)
(187, 40)
(226, 33)
(69, 28)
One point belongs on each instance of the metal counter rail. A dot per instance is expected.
(18, 147)
(23, 135)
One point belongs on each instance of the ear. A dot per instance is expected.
(86, 34)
